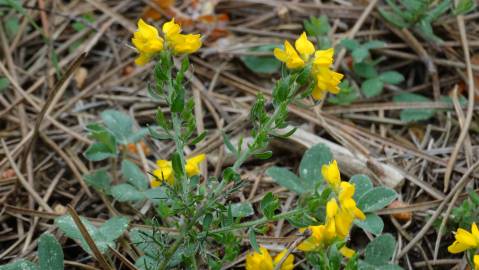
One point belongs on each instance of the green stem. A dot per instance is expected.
(258, 221)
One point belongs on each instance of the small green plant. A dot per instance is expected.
(50, 256)
(365, 67)
(421, 14)
(319, 28)
(192, 221)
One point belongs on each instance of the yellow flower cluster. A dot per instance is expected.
(301, 55)
(466, 240)
(148, 42)
(340, 214)
(165, 170)
(263, 261)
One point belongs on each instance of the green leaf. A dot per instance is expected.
(346, 96)
(244, 209)
(365, 70)
(413, 115)
(374, 44)
(176, 164)
(114, 228)
(133, 175)
(50, 253)
(98, 151)
(313, 160)
(350, 44)
(372, 87)
(393, 18)
(362, 184)
(264, 155)
(126, 193)
(438, 10)
(391, 77)
(424, 27)
(12, 25)
(317, 26)
(334, 257)
(380, 250)
(20, 265)
(102, 237)
(286, 179)
(252, 239)
(269, 204)
(262, 64)
(99, 180)
(464, 6)
(156, 195)
(376, 199)
(373, 224)
(103, 136)
(359, 54)
(69, 228)
(4, 83)
(120, 125)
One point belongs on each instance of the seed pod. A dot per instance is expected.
(401, 216)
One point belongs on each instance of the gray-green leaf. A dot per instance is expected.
(313, 160)
(244, 209)
(362, 184)
(373, 224)
(412, 115)
(50, 253)
(133, 175)
(119, 124)
(99, 180)
(376, 199)
(126, 193)
(372, 87)
(380, 250)
(287, 179)
(391, 77)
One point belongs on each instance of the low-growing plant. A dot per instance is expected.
(421, 14)
(194, 224)
(365, 67)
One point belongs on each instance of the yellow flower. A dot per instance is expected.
(326, 81)
(163, 173)
(288, 263)
(289, 56)
(320, 237)
(348, 210)
(331, 174)
(165, 170)
(347, 252)
(192, 166)
(476, 262)
(147, 41)
(304, 46)
(323, 58)
(340, 216)
(465, 240)
(178, 42)
(263, 261)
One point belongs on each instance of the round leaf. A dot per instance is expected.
(376, 199)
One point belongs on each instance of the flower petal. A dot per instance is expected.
(457, 247)
(171, 28)
(347, 252)
(323, 57)
(304, 46)
(331, 174)
(466, 238)
(288, 263)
